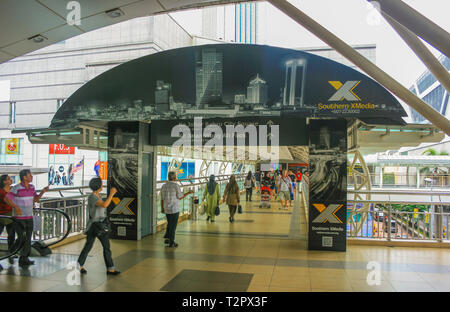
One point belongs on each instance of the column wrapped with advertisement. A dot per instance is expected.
(123, 175)
(328, 184)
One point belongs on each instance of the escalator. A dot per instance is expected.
(38, 246)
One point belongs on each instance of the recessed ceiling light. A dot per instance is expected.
(114, 13)
(38, 38)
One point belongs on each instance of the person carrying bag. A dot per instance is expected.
(212, 196)
(231, 197)
(98, 226)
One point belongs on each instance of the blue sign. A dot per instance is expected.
(61, 169)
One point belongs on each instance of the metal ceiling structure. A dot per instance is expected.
(29, 25)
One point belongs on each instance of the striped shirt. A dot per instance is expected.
(171, 195)
(24, 198)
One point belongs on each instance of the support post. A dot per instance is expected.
(436, 68)
(417, 23)
(368, 67)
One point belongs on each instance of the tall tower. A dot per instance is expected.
(245, 22)
(294, 83)
(208, 77)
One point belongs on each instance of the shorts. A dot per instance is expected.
(285, 195)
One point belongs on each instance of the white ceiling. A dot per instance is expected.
(22, 19)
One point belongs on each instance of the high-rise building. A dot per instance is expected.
(162, 96)
(246, 22)
(257, 91)
(208, 77)
(294, 83)
(430, 90)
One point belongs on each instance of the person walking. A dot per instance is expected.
(249, 185)
(96, 224)
(6, 210)
(258, 178)
(212, 196)
(231, 196)
(285, 188)
(22, 197)
(170, 196)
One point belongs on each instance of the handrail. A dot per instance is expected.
(398, 192)
(20, 237)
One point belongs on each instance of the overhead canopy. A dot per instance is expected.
(230, 80)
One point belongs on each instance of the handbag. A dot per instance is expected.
(102, 227)
(239, 209)
(217, 211)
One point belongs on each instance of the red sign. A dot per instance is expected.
(61, 149)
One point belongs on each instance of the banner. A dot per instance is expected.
(328, 185)
(61, 149)
(12, 146)
(123, 175)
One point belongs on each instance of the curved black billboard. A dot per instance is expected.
(229, 80)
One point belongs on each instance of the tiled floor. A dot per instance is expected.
(245, 256)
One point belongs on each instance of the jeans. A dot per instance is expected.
(11, 231)
(232, 210)
(104, 240)
(172, 222)
(248, 194)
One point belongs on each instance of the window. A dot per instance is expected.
(11, 151)
(12, 112)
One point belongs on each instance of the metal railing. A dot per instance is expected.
(61, 215)
(198, 184)
(399, 180)
(403, 215)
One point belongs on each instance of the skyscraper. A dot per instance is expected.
(208, 77)
(294, 83)
(257, 91)
(430, 90)
(245, 22)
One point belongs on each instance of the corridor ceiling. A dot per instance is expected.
(21, 20)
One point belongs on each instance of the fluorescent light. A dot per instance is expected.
(114, 13)
(38, 38)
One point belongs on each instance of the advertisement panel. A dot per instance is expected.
(123, 175)
(328, 184)
(60, 149)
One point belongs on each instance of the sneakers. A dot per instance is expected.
(207, 219)
(25, 262)
(173, 245)
(166, 241)
(112, 272)
(83, 271)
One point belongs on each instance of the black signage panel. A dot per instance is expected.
(257, 131)
(123, 175)
(328, 184)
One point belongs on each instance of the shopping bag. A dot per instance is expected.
(217, 211)
(239, 209)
